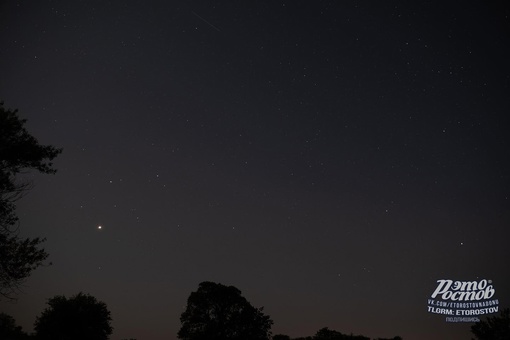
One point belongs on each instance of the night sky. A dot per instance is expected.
(331, 159)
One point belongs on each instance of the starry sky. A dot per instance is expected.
(331, 159)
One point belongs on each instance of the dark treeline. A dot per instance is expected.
(214, 312)
(329, 334)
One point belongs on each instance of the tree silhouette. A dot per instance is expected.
(281, 337)
(218, 312)
(81, 317)
(9, 330)
(19, 151)
(328, 334)
(494, 328)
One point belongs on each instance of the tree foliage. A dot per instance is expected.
(281, 337)
(19, 152)
(18, 258)
(494, 328)
(81, 317)
(218, 312)
(329, 334)
(9, 330)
